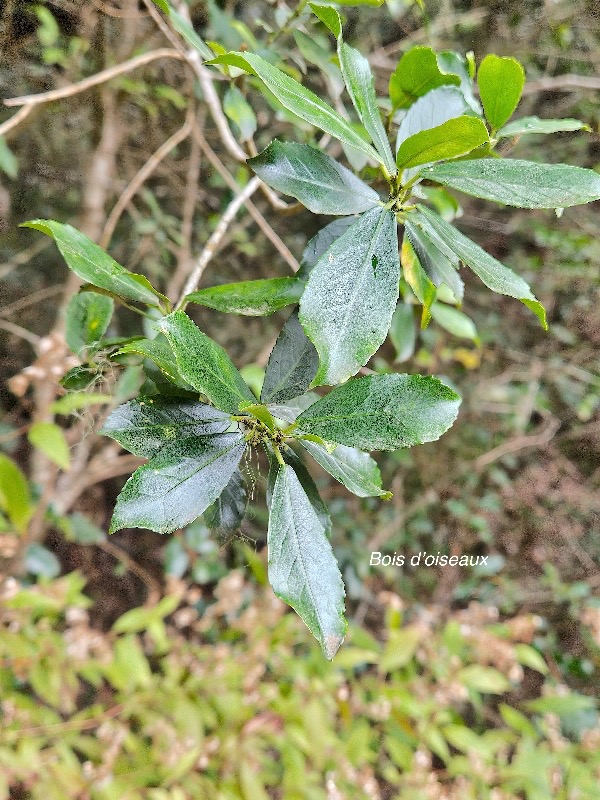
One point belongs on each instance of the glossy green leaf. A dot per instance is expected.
(524, 184)
(93, 265)
(178, 484)
(147, 424)
(454, 321)
(536, 125)
(299, 100)
(453, 138)
(183, 27)
(452, 63)
(500, 82)
(329, 16)
(383, 412)
(303, 570)
(158, 351)
(250, 298)
(237, 108)
(416, 74)
(14, 494)
(86, 320)
(356, 470)
(438, 266)
(431, 111)
(292, 365)
(361, 88)
(227, 512)
(50, 440)
(291, 409)
(403, 332)
(308, 485)
(313, 178)
(320, 244)
(312, 50)
(204, 364)
(492, 272)
(416, 277)
(351, 294)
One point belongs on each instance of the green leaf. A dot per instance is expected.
(361, 88)
(250, 298)
(240, 111)
(356, 470)
(8, 161)
(178, 484)
(524, 184)
(158, 351)
(400, 648)
(452, 63)
(50, 440)
(438, 266)
(147, 424)
(183, 27)
(299, 100)
(329, 17)
(431, 111)
(403, 332)
(313, 178)
(417, 278)
(453, 138)
(291, 409)
(204, 364)
(383, 412)
(537, 125)
(14, 494)
(303, 570)
(75, 401)
(78, 528)
(292, 365)
(454, 321)
(93, 265)
(320, 244)
(492, 272)
(227, 512)
(483, 679)
(87, 317)
(306, 481)
(38, 560)
(501, 82)
(351, 294)
(176, 559)
(417, 74)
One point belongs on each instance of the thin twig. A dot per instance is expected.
(31, 100)
(15, 120)
(562, 83)
(518, 443)
(142, 176)
(22, 333)
(24, 257)
(151, 584)
(214, 240)
(35, 297)
(256, 215)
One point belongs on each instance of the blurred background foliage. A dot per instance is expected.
(163, 668)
